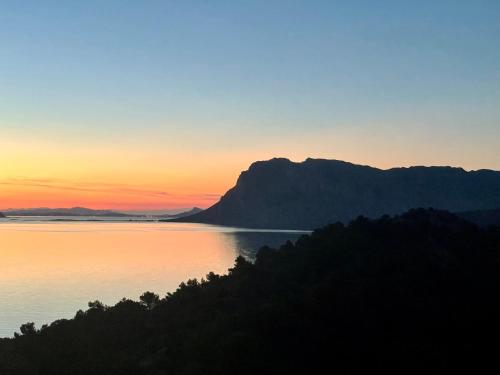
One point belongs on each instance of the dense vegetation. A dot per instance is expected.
(416, 293)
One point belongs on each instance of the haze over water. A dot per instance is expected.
(49, 270)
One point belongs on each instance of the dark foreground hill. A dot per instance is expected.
(282, 194)
(412, 294)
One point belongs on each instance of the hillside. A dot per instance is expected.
(282, 194)
(191, 212)
(406, 295)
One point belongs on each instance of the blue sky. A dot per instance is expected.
(385, 83)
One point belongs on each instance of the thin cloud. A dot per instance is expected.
(117, 189)
(100, 188)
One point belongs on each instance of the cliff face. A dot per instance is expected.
(282, 194)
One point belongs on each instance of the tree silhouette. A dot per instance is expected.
(149, 299)
(97, 305)
(28, 328)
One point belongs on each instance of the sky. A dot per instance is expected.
(161, 104)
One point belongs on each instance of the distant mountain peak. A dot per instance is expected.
(74, 211)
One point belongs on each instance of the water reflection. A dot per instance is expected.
(247, 244)
(50, 270)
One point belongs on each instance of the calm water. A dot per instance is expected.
(48, 270)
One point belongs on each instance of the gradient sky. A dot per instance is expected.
(160, 104)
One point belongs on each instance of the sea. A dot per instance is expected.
(50, 267)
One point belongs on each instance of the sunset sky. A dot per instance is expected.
(160, 104)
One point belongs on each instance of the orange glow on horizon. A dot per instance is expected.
(158, 174)
(49, 175)
(28, 194)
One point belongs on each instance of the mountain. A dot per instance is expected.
(75, 211)
(279, 193)
(482, 218)
(1, 215)
(193, 211)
